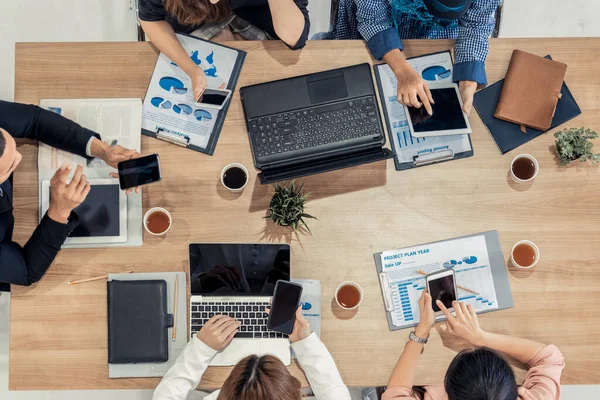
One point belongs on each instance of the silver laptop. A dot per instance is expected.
(238, 280)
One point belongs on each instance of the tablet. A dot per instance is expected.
(102, 215)
(448, 117)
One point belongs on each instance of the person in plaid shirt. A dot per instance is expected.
(383, 23)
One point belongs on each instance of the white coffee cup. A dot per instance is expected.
(153, 210)
(233, 165)
(533, 246)
(349, 283)
(515, 178)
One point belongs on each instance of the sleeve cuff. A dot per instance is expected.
(88, 147)
(384, 42)
(305, 343)
(203, 349)
(470, 71)
(56, 232)
(548, 355)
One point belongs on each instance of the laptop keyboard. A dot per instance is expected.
(315, 126)
(250, 314)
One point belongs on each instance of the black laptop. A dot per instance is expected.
(314, 123)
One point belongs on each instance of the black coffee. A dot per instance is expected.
(523, 168)
(235, 178)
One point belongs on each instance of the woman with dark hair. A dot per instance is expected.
(221, 20)
(480, 373)
(254, 378)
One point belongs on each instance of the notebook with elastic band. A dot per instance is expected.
(138, 322)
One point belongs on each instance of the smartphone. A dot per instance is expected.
(442, 286)
(139, 171)
(214, 98)
(286, 300)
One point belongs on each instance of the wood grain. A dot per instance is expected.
(58, 332)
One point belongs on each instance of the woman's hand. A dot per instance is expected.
(465, 325)
(199, 83)
(467, 91)
(218, 332)
(427, 316)
(412, 89)
(301, 326)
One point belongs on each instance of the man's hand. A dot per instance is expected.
(412, 89)
(113, 155)
(218, 332)
(467, 91)
(65, 197)
(465, 325)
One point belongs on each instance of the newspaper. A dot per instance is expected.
(118, 121)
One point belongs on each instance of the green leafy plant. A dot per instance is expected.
(287, 206)
(573, 144)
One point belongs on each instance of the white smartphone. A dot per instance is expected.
(214, 98)
(442, 286)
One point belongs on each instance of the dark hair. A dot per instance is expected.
(196, 12)
(264, 378)
(2, 143)
(479, 374)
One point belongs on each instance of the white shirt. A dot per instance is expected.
(318, 365)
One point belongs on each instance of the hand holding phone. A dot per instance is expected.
(441, 285)
(139, 171)
(286, 299)
(214, 98)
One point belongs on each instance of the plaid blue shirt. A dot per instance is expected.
(382, 23)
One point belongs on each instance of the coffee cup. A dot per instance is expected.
(157, 221)
(524, 254)
(349, 295)
(524, 168)
(234, 177)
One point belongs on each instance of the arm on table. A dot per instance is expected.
(320, 369)
(291, 21)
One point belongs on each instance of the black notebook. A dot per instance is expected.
(508, 136)
(138, 322)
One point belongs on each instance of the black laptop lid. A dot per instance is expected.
(307, 90)
(237, 269)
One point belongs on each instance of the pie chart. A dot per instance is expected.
(202, 114)
(169, 82)
(159, 102)
(182, 109)
(435, 71)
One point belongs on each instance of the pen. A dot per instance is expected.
(458, 286)
(174, 336)
(97, 278)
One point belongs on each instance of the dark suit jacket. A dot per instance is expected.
(26, 265)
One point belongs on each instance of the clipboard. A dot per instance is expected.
(183, 140)
(442, 148)
(498, 268)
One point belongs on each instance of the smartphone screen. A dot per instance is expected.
(286, 300)
(213, 97)
(139, 171)
(441, 287)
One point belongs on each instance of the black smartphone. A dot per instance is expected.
(286, 299)
(139, 171)
(214, 98)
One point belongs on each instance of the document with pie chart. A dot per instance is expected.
(170, 110)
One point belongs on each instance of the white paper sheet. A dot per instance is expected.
(470, 260)
(435, 68)
(311, 302)
(169, 104)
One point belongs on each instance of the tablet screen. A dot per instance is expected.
(99, 213)
(447, 113)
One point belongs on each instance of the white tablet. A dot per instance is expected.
(448, 116)
(102, 216)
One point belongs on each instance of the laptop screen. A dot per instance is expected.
(237, 269)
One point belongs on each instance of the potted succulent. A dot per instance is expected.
(287, 207)
(573, 144)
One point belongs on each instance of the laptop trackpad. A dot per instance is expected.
(327, 87)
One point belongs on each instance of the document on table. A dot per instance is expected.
(118, 121)
(434, 68)
(170, 106)
(403, 285)
(311, 302)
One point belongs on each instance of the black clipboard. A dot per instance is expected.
(443, 157)
(214, 137)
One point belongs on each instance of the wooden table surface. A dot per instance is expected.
(58, 332)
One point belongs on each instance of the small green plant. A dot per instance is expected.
(573, 144)
(287, 206)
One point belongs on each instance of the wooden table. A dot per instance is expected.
(58, 332)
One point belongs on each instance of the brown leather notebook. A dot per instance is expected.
(531, 91)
